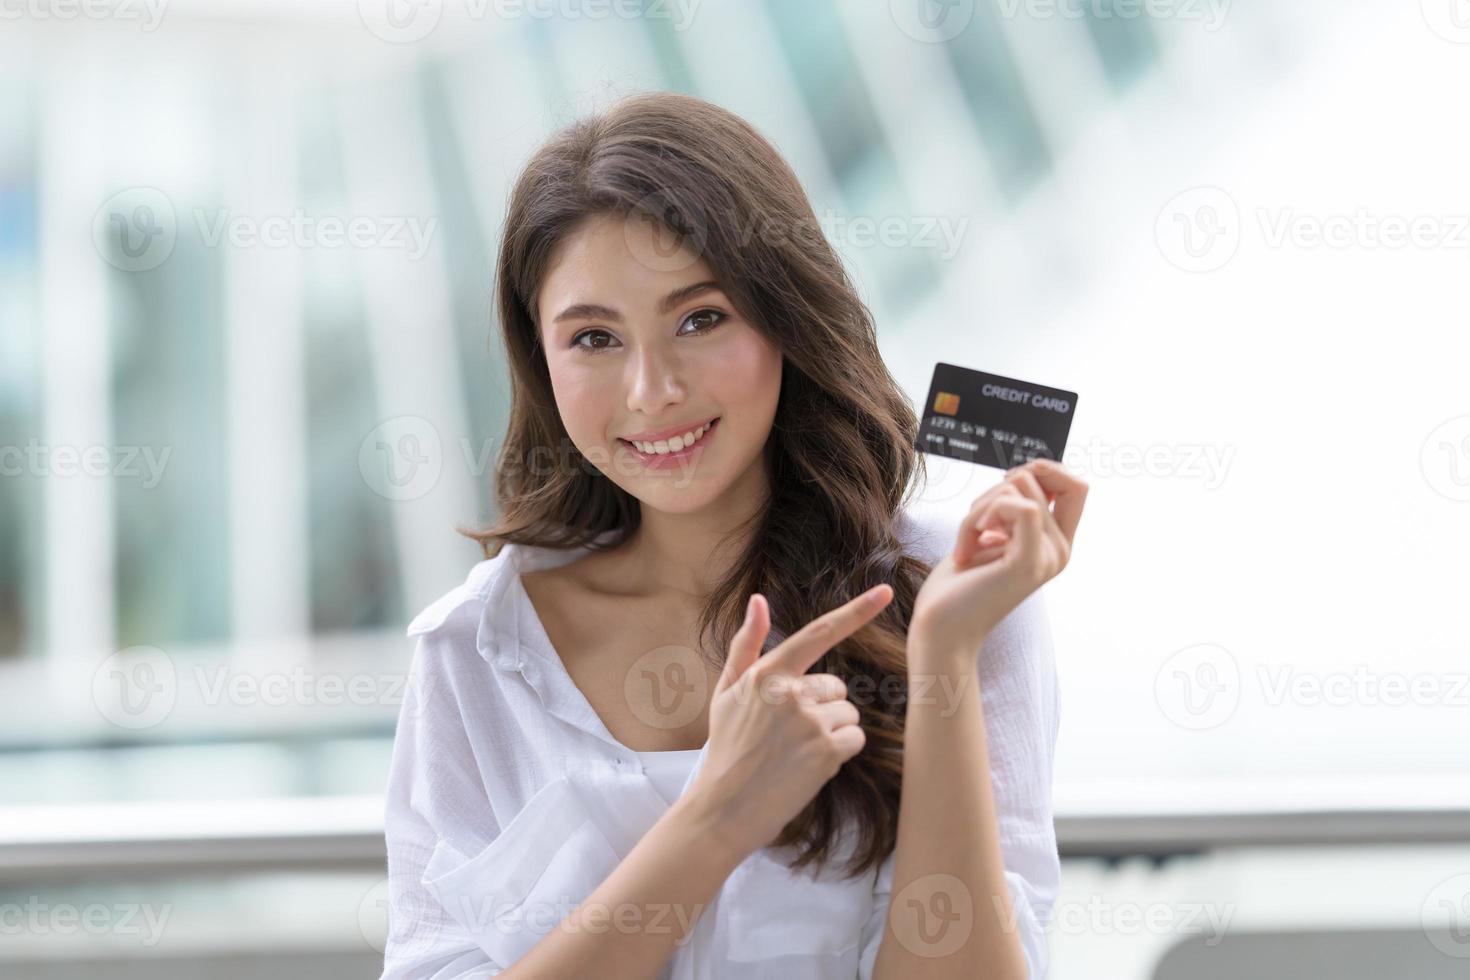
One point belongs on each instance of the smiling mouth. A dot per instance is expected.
(664, 448)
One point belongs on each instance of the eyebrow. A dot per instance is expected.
(595, 311)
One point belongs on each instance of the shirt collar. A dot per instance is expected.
(503, 637)
(510, 637)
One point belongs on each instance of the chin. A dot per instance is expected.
(681, 489)
(684, 498)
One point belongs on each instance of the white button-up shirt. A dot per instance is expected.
(509, 801)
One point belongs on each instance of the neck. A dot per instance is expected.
(690, 552)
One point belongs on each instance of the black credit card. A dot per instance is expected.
(994, 421)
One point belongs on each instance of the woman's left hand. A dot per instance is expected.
(1008, 545)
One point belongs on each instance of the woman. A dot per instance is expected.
(715, 696)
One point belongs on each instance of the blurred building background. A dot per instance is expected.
(249, 384)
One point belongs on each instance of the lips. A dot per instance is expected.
(675, 443)
(657, 460)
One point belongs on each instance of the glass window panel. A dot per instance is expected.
(832, 88)
(21, 501)
(468, 254)
(667, 48)
(997, 97)
(1127, 44)
(353, 554)
(168, 395)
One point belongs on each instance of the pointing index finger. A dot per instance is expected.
(796, 654)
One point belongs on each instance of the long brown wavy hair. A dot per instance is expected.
(840, 454)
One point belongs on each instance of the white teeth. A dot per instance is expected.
(665, 446)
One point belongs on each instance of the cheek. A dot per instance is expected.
(585, 398)
(746, 371)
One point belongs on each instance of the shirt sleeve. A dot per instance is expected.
(1020, 694)
(435, 793)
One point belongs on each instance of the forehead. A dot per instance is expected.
(628, 264)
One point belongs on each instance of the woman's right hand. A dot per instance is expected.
(777, 733)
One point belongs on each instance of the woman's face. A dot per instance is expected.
(639, 341)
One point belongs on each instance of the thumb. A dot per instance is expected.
(745, 646)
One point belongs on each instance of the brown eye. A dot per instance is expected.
(713, 319)
(577, 340)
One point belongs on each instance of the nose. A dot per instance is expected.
(654, 383)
